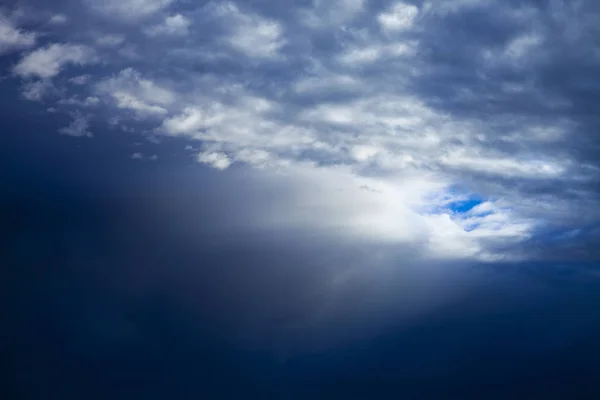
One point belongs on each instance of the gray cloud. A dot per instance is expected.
(79, 127)
(12, 38)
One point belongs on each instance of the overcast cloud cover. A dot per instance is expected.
(378, 147)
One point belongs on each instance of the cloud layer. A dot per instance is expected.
(381, 116)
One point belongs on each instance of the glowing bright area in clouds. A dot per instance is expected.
(417, 212)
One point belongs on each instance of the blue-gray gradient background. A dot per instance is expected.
(355, 199)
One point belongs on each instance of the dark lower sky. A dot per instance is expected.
(102, 297)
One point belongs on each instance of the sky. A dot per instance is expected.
(299, 199)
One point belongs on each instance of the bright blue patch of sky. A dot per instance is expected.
(460, 207)
(468, 200)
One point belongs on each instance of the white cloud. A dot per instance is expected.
(174, 25)
(215, 160)
(362, 153)
(129, 90)
(48, 61)
(12, 38)
(254, 157)
(251, 34)
(399, 17)
(79, 127)
(129, 9)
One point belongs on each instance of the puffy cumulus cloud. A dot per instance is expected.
(129, 9)
(49, 61)
(12, 38)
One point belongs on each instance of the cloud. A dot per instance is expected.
(80, 79)
(129, 9)
(79, 127)
(37, 90)
(49, 61)
(399, 17)
(108, 40)
(250, 33)
(58, 19)
(388, 100)
(173, 25)
(327, 14)
(130, 91)
(216, 160)
(13, 38)
(140, 156)
(89, 101)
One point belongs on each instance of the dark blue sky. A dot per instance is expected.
(299, 200)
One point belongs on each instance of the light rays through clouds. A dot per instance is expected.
(372, 113)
